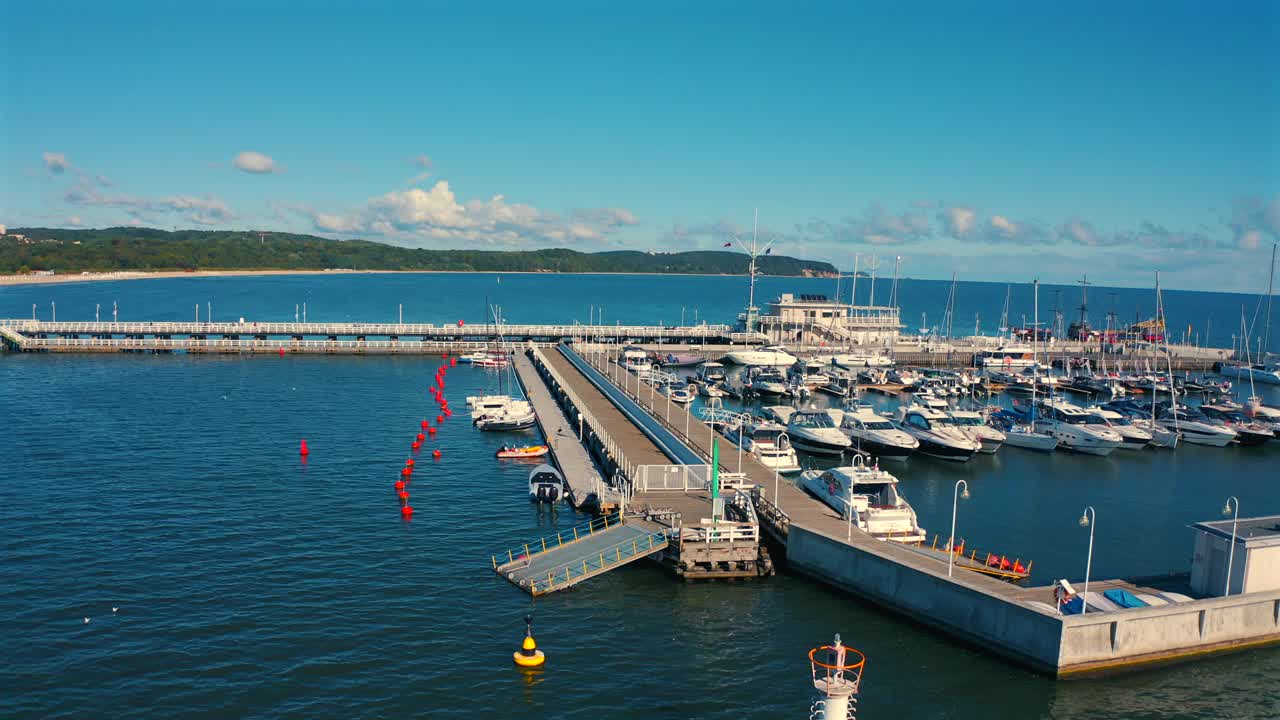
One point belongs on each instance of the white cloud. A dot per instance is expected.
(256, 163)
(957, 221)
(57, 163)
(202, 210)
(424, 162)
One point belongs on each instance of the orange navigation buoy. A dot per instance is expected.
(304, 451)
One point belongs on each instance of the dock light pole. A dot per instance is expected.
(54, 305)
(1088, 519)
(97, 309)
(955, 504)
(778, 443)
(1232, 508)
(739, 446)
(688, 415)
(208, 312)
(115, 312)
(33, 312)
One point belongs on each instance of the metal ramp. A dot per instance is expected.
(567, 558)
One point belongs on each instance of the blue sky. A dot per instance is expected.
(995, 142)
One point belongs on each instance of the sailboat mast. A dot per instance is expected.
(853, 293)
(751, 294)
(1035, 345)
(1266, 328)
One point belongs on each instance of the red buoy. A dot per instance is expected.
(399, 486)
(281, 352)
(303, 451)
(459, 323)
(453, 361)
(425, 424)
(408, 463)
(435, 454)
(404, 497)
(439, 419)
(448, 412)
(421, 437)
(406, 511)
(416, 444)
(431, 431)
(406, 472)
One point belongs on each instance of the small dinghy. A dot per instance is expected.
(528, 451)
(545, 484)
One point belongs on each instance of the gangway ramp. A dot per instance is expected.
(567, 558)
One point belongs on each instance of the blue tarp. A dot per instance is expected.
(1123, 598)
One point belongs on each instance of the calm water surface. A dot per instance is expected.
(250, 584)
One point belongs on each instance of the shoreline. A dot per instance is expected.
(22, 280)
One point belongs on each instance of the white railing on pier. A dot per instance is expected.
(356, 329)
(673, 478)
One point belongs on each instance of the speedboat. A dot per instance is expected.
(872, 433)
(678, 392)
(867, 496)
(1197, 429)
(1248, 432)
(1135, 437)
(770, 383)
(1007, 356)
(1140, 417)
(491, 359)
(937, 434)
(711, 389)
(1105, 387)
(711, 372)
(815, 431)
(472, 357)
(546, 485)
(773, 355)
(1075, 428)
(975, 426)
(769, 443)
(858, 361)
(508, 452)
(838, 385)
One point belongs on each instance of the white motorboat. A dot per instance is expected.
(769, 383)
(546, 485)
(472, 356)
(1025, 437)
(711, 372)
(491, 359)
(678, 392)
(872, 433)
(859, 361)
(1197, 429)
(780, 414)
(1135, 437)
(1253, 408)
(1248, 431)
(771, 356)
(1075, 428)
(815, 431)
(937, 434)
(711, 389)
(513, 417)
(1256, 373)
(974, 426)
(868, 497)
(770, 445)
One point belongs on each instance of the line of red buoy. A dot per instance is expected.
(406, 473)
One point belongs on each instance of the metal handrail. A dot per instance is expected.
(607, 557)
(562, 538)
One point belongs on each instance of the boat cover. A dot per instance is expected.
(1124, 598)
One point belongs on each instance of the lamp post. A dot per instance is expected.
(1088, 519)
(1232, 508)
(955, 504)
(739, 447)
(778, 443)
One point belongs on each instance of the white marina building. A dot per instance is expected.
(816, 319)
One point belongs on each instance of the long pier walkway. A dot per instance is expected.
(586, 485)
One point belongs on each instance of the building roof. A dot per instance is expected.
(1252, 532)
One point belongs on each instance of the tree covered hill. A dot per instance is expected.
(129, 248)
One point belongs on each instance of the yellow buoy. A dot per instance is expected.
(529, 655)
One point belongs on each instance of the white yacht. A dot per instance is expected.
(1263, 414)
(679, 392)
(974, 425)
(937, 434)
(1076, 428)
(772, 355)
(859, 360)
(869, 497)
(769, 443)
(483, 405)
(815, 431)
(873, 433)
(1135, 438)
(1198, 430)
(1007, 356)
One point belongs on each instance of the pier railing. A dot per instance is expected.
(560, 539)
(577, 570)
(676, 478)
